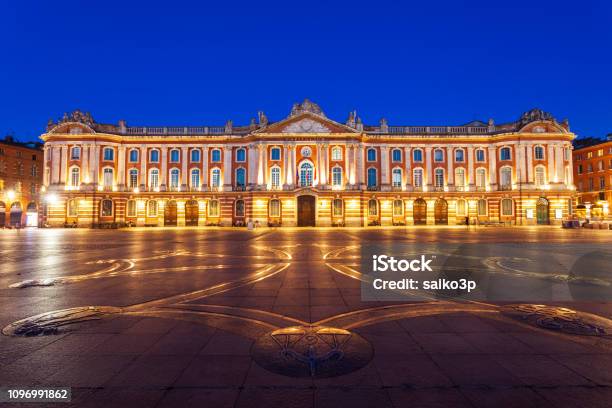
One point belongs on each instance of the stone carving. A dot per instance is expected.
(306, 126)
(535, 115)
(306, 106)
(263, 119)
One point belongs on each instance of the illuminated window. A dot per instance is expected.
(460, 177)
(213, 208)
(539, 153)
(275, 208)
(337, 207)
(336, 153)
(174, 178)
(75, 153)
(73, 208)
(372, 207)
(151, 208)
(506, 205)
(239, 208)
(106, 208)
(275, 176)
(417, 177)
(540, 179)
(154, 178)
(396, 177)
(482, 207)
(506, 177)
(398, 208)
(306, 175)
(439, 177)
(481, 178)
(108, 177)
(75, 177)
(337, 176)
(215, 179)
(461, 208)
(131, 208)
(133, 178)
(195, 178)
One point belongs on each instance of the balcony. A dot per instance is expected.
(438, 188)
(505, 187)
(373, 188)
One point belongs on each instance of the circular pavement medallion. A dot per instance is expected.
(312, 351)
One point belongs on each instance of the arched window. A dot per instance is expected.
(133, 156)
(175, 156)
(438, 155)
(75, 177)
(154, 156)
(274, 207)
(417, 155)
(480, 155)
(504, 153)
(398, 208)
(240, 177)
(417, 178)
(460, 177)
(337, 207)
(372, 177)
(215, 177)
(151, 208)
(133, 178)
(106, 208)
(213, 208)
(306, 174)
(131, 209)
(540, 178)
(72, 208)
(336, 153)
(109, 154)
(396, 155)
(241, 155)
(195, 178)
(459, 156)
(482, 207)
(239, 208)
(275, 177)
(75, 153)
(371, 154)
(461, 208)
(108, 177)
(154, 178)
(215, 156)
(506, 177)
(337, 176)
(396, 177)
(175, 175)
(439, 178)
(539, 152)
(372, 207)
(481, 178)
(275, 154)
(506, 206)
(195, 155)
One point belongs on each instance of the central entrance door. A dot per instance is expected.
(191, 213)
(170, 214)
(306, 211)
(419, 212)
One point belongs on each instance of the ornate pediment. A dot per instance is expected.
(306, 125)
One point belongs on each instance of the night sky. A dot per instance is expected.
(200, 63)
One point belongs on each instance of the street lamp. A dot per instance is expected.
(10, 194)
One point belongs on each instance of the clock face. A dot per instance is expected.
(306, 152)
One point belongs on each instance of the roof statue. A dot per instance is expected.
(306, 106)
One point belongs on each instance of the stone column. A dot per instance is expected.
(450, 174)
(121, 167)
(407, 159)
(285, 166)
(521, 164)
(384, 166)
(95, 164)
(261, 170)
(184, 162)
(45, 164)
(164, 168)
(63, 164)
(361, 166)
(429, 168)
(470, 163)
(252, 164)
(204, 167)
(551, 163)
(290, 167)
(85, 164)
(493, 167)
(348, 151)
(144, 157)
(560, 168)
(325, 156)
(529, 163)
(227, 168)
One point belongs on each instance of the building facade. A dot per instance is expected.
(21, 177)
(308, 170)
(593, 176)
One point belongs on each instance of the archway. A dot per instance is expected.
(419, 212)
(542, 211)
(441, 212)
(15, 215)
(192, 213)
(31, 215)
(170, 214)
(306, 210)
(2, 214)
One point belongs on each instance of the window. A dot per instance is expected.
(275, 208)
(174, 179)
(459, 156)
(336, 153)
(539, 176)
(75, 177)
(195, 156)
(175, 156)
(195, 178)
(482, 207)
(439, 178)
(481, 178)
(337, 176)
(460, 177)
(133, 156)
(108, 177)
(506, 206)
(131, 208)
(215, 178)
(589, 168)
(239, 208)
(75, 153)
(504, 153)
(154, 156)
(106, 208)
(275, 154)
(398, 208)
(539, 153)
(151, 208)
(396, 177)
(240, 177)
(396, 155)
(480, 155)
(417, 176)
(154, 179)
(417, 155)
(600, 166)
(275, 176)
(372, 179)
(215, 155)
(241, 155)
(506, 177)
(213, 208)
(599, 152)
(337, 209)
(580, 169)
(438, 155)
(73, 208)
(371, 154)
(591, 185)
(602, 183)
(306, 175)
(461, 208)
(589, 155)
(372, 207)
(109, 154)
(133, 178)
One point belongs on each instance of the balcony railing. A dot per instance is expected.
(373, 188)
(470, 130)
(205, 130)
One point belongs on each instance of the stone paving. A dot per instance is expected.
(181, 310)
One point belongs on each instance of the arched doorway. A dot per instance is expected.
(191, 213)
(170, 214)
(2, 214)
(542, 211)
(441, 212)
(15, 215)
(31, 215)
(419, 212)
(306, 211)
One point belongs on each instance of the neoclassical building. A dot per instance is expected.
(307, 170)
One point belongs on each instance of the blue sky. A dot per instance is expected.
(199, 63)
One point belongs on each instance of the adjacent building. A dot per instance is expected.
(307, 170)
(593, 176)
(21, 177)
